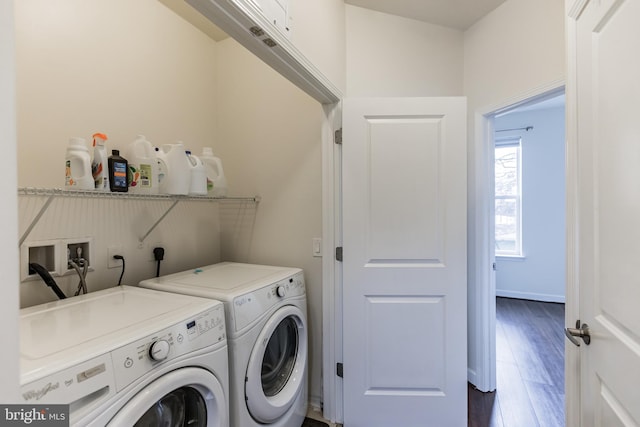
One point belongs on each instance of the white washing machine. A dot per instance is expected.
(266, 314)
(128, 356)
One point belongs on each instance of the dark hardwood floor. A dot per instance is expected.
(530, 368)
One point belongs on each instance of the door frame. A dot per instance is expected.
(332, 394)
(482, 305)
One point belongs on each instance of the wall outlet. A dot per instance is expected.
(111, 261)
(150, 250)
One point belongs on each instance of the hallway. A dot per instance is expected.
(530, 368)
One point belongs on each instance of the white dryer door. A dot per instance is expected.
(186, 396)
(277, 366)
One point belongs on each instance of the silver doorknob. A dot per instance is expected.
(580, 332)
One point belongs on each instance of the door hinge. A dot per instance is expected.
(339, 368)
(339, 253)
(337, 137)
(494, 266)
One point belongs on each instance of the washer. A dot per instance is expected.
(126, 356)
(266, 317)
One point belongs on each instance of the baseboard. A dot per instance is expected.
(472, 377)
(315, 404)
(530, 296)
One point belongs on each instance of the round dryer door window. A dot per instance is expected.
(182, 407)
(184, 397)
(276, 374)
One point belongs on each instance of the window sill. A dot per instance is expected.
(517, 258)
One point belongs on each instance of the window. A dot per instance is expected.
(508, 197)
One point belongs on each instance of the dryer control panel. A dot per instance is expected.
(136, 359)
(249, 307)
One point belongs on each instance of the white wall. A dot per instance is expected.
(270, 144)
(510, 54)
(517, 47)
(319, 33)
(540, 274)
(8, 217)
(190, 235)
(389, 55)
(86, 67)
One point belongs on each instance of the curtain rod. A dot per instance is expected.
(527, 128)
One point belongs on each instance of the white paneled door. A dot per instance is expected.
(605, 100)
(405, 280)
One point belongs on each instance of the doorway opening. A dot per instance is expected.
(526, 199)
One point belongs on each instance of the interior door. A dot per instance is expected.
(607, 138)
(404, 237)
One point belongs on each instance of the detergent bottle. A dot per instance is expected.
(173, 161)
(78, 166)
(118, 167)
(198, 185)
(143, 167)
(99, 166)
(216, 181)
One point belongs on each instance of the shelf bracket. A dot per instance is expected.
(35, 220)
(173, 205)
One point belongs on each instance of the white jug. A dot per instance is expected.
(78, 166)
(216, 181)
(173, 161)
(198, 176)
(143, 167)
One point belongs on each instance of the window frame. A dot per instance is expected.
(510, 141)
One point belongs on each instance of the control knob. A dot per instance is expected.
(159, 350)
(280, 291)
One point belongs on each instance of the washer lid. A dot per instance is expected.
(221, 281)
(62, 333)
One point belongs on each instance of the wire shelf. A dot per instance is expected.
(52, 193)
(60, 192)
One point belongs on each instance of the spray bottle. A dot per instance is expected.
(99, 166)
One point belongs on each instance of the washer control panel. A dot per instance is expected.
(111, 372)
(248, 307)
(135, 359)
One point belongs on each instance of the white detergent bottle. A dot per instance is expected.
(198, 185)
(143, 167)
(99, 168)
(78, 166)
(177, 170)
(216, 182)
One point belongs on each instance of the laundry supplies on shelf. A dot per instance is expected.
(175, 167)
(99, 165)
(118, 168)
(216, 181)
(78, 166)
(198, 185)
(143, 167)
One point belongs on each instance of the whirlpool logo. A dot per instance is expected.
(37, 394)
(34, 415)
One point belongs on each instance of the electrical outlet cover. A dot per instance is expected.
(112, 262)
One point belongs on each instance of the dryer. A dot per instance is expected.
(266, 317)
(127, 356)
